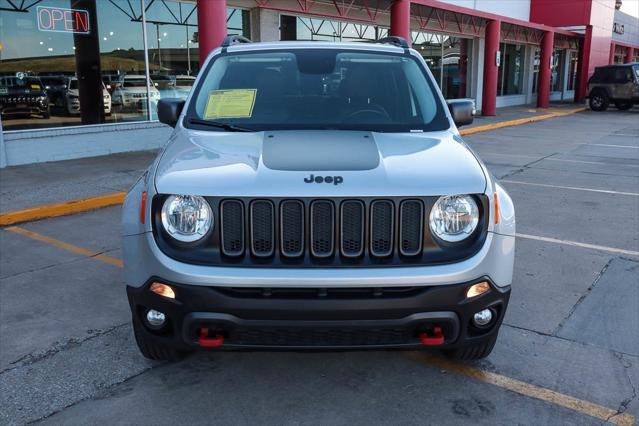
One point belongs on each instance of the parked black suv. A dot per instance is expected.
(23, 96)
(614, 83)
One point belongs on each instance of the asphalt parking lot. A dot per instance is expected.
(568, 352)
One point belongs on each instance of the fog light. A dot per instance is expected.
(483, 318)
(477, 289)
(162, 290)
(156, 319)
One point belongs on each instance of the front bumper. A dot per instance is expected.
(317, 318)
(30, 108)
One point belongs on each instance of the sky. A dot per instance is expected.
(631, 7)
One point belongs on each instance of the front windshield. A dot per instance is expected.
(185, 82)
(134, 83)
(319, 89)
(32, 82)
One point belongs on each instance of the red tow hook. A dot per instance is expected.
(437, 338)
(209, 342)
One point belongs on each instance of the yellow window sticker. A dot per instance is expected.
(234, 103)
(35, 86)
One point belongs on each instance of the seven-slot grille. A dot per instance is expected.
(322, 228)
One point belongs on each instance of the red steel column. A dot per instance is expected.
(489, 91)
(611, 57)
(629, 55)
(543, 82)
(211, 23)
(400, 19)
(583, 65)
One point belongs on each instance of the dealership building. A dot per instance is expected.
(116, 58)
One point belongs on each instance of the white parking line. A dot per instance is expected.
(615, 146)
(551, 159)
(603, 191)
(578, 244)
(589, 162)
(507, 155)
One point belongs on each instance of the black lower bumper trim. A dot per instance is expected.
(319, 334)
(395, 320)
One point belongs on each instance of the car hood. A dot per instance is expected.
(129, 90)
(288, 164)
(76, 92)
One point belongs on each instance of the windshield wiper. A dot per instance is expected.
(219, 124)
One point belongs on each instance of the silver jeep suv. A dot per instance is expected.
(317, 196)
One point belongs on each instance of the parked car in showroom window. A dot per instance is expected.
(183, 85)
(131, 93)
(23, 95)
(72, 98)
(56, 86)
(286, 212)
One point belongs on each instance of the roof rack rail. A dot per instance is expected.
(395, 40)
(234, 39)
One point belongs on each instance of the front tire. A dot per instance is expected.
(154, 350)
(599, 101)
(623, 106)
(472, 352)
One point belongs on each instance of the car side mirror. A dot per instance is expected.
(462, 111)
(169, 110)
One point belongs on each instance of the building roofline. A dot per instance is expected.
(491, 16)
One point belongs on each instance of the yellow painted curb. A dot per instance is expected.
(61, 209)
(520, 121)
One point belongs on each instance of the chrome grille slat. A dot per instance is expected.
(322, 228)
(262, 228)
(411, 227)
(292, 228)
(352, 218)
(232, 223)
(382, 228)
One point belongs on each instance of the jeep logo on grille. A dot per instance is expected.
(335, 180)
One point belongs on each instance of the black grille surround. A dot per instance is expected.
(281, 232)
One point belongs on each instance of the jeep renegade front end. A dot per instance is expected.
(317, 195)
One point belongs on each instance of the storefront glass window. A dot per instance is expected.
(536, 62)
(76, 62)
(76, 54)
(510, 79)
(315, 29)
(557, 70)
(572, 71)
(449, 60)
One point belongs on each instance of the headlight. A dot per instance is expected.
(186, 218)
(454, 218)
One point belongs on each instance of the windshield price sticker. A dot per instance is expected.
(235, 103)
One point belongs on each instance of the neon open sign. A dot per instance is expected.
(61, 20)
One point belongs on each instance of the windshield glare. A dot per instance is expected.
(319, 89)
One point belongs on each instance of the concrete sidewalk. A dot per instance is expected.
(522, 111)
(45, 183)
(27, 186)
